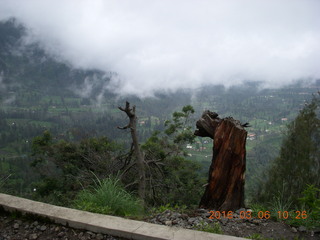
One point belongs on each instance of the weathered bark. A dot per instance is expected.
(225, 189)
(131, 113)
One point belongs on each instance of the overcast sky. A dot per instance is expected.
(171, 44)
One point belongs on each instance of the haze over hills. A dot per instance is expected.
(66, 67)
(165, 46)
(40, 92)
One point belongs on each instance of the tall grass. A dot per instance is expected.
(280, 202)
(108, 197)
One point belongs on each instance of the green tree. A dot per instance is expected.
(299, 161)
(172, 178)
(179, 127)
(66, 167)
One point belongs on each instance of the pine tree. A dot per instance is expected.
(299, 161)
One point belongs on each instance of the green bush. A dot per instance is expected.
(310, 203)
(108, 197)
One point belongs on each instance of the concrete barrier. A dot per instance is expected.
(105, 224)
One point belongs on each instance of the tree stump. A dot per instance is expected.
(225, 188)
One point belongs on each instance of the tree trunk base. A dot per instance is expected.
(225, 189)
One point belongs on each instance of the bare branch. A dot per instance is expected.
(123, 128)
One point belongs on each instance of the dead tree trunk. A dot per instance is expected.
(225, 189)
(131, 113)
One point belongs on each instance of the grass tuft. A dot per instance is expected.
(109, 197)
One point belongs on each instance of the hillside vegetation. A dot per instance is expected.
(58, 135)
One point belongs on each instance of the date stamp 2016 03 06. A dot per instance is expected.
(258, 215)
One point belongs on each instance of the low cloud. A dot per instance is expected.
(166, 45)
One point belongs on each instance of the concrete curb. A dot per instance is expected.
(105, 224)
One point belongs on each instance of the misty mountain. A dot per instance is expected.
(27, 66)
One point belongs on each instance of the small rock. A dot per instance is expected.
(168, 223)
(176, 221)
(256, 221)
(33, 236)
(196, 222)
(206, 214)
(99, 236)
(240, 210)
(91, 234)
(294, 229)
(111, 238)
(43, 228)
(191, 220)
(202, 210)
(167, 212)
(7, 221)
(16, 226)
(163, 219)
(61, 234)
(235, 215)
(175, 215)
(184, 216)
(237, 220)
(35, 223)
(19, 222)
(302, 229)
(224, 221)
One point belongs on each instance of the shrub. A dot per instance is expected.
(310, 203)
(108, 197)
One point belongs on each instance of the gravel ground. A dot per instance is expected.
(236, 226)
(14, 228)
(23, 228)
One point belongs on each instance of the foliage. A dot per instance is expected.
(179, 128)
(108, 197)
(209, 227)
(166, 207)
(65, 166)
(299, 161)
(40, 90)
(172, 178)
(280, 202)
(256, 208)
(306, 214)
(310, 202)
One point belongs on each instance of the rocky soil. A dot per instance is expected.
(235, 226)
(23, 228)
